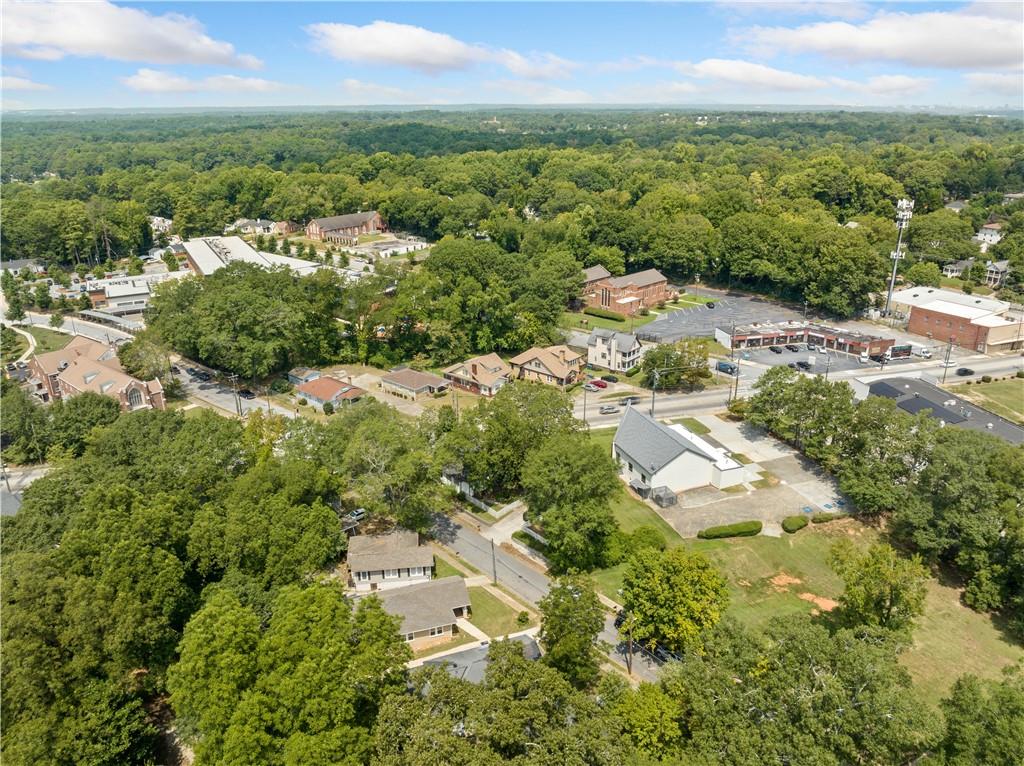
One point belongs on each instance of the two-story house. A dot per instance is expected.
(380, 562)
(554, 365)
(484, 375)
(615, 351)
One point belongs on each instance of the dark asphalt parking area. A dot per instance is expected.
(701, 321)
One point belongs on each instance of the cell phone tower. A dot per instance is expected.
(904, 211)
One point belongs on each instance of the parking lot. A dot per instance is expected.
(700, 321)
(833, 361)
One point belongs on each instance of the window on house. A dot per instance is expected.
(437, 631)
(415, 571)
(410, 636)
(362, 576)
(390, 574)
(134, 398)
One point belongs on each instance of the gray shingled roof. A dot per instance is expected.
(335, 222)
(650, 444)
(640, 279)
(471, 664)
(426, 605)
(594, 273)
(398, 550)
(623, 340)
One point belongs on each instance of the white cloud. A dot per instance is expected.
(389, 44)
(50, 31)
(749, 75)
(997, 82)
(979, 36)
(837, 9)
(9, 82)
(360, 92)
(155, 81)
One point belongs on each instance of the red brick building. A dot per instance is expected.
(973, 328)
(343, 229)
(628, 294)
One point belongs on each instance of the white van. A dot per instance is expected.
(922, 351)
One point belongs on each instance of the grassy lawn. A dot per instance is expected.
(694, 425)
(1003, 397)
(11, 351)
(48, 340)
(460, 640)
(958, 284)
(689, 299)
(777, 577)
(579, 321)
(443, 569)
(492, 615)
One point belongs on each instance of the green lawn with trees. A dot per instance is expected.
(492, 615)
(48, 340)
(1003, 397)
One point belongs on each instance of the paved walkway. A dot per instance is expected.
(467, 627)
(31, 343)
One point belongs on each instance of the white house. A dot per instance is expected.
(652, 455)
(989, 234)
(380, 562)
(611, 350)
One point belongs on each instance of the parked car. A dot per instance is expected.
(620, 618)
(822, 350)
(357, 515)
(964, 372)
(203, 376)
(590, 387)
(727, 367)
(629, 400)
(245, 393)
(175, 370)
(610, 378)
(608, 409)
(793, 365)
(191, 371)
(803, 365)
(710, 304)
(775, 349)
(11, 367)
(792, 347)
(599, 383)
(21, 365)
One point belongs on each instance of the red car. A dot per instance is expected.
(599, 383)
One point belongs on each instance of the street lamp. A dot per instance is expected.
(904, 211)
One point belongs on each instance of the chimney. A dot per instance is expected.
(473, 369)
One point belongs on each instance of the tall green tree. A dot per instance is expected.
(571, 620)
(882, 589)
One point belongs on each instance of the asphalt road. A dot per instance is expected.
(525, 581)
(222, 396)
(78, 327)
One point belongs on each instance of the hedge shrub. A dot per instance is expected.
(302, 401)
(594, 311)
(793, 524)
(739, 529)
(986, 378)
(823, 517)
(1020, 373)
(328, 408)
(634, 372)
(646, 537)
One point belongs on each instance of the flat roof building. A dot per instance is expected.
(782, 333)
(207, 255)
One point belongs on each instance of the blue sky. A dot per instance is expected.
(96, 53)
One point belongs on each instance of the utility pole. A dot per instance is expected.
(655, 375)
(945, 363)
(494, 566)
(585, 405)
(904, 211)
(238, 402)
(828, 366)
(7, 481)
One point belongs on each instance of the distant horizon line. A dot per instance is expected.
(1006, 110)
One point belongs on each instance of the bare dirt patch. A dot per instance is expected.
(783, 581)
(824, 604)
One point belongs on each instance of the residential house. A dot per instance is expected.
(956, 269)
(554, 365)
(956, 205)
(407, 383)
(471, 664)
(16, 265)
(429, 611)
(160, 225)
(299, 375)
(344, 229)
(652, 455)
(250, 226)
(611, 350)
(996, 273)
(285, 227)
(327, 389)
(629, 294)
(88, 365)
(484, 375)
(989, 234)
(380, 562)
